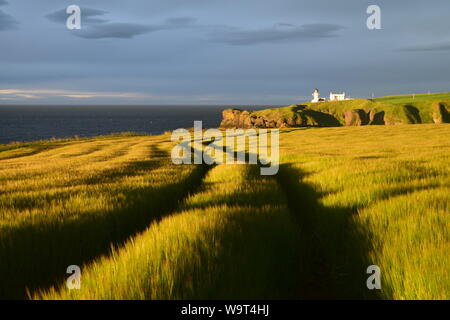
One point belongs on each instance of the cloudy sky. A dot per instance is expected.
(219, 51)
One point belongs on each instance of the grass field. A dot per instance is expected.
(143, 228)
(412, 98)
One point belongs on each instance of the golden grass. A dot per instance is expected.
(68, 204)
(227, 241)
(143, 228)
(389, 188)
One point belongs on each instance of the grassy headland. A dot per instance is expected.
(410, 109)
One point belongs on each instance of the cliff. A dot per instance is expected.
(357, 112)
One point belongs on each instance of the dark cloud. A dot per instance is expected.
(181, 21)
(115, 30)
(280, 32)
(94, 27)
(7, 22)
(88, 16)
(443, 46)
(284, 25)
(129, 30)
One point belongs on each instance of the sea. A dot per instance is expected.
(29, 123)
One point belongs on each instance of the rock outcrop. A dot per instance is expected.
(357, 117)
(376, 117)
(440, 113)
(405, 114)
(236, 118)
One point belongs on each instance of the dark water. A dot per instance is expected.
(28, 123)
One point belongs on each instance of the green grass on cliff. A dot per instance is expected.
(414, 98)
(422, 102)
(143, 228)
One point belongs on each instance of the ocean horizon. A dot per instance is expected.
(22, 123)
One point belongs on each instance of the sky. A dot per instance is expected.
(249, 52)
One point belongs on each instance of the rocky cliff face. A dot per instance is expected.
(235, 118)
(440, 113)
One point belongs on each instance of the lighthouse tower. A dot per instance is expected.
(316, 96)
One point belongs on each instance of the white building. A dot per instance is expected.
(333, 96)
(337, 96)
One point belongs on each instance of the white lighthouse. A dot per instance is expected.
(316, 96)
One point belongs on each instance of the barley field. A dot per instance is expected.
(141, 227)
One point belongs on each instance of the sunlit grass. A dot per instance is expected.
(143, 228)
(389, 189)
(233, 239)
(68, 204)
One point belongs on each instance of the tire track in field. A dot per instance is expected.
(34, 170)
(334, 252)
(38, 256)
(21, 200)
(233, 238)
(25, 154)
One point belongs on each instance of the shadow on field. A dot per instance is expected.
(36, 149)
(28, 201)
(333, 251)
(114, 174)
(35, 256)
(412, 114)
(249, 253)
